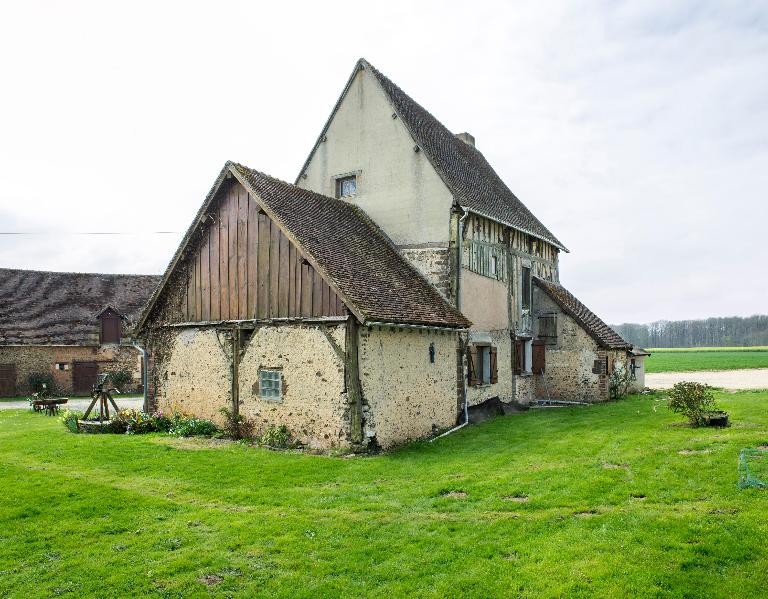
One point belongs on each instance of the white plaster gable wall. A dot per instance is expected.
(397, 187)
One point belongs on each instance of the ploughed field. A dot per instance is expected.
(610, 500)
(679, 359)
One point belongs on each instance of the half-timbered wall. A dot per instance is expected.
(243, 267)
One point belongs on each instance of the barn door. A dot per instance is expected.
(7, 380)
(83, 377)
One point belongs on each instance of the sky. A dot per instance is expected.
(636, 132)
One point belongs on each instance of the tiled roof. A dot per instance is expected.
(62, 308)
(589, 321)
(463, 168)
(355, 255)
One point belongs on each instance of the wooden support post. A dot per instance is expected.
(352, 381)
(235, 371)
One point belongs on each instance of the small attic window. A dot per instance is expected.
(346, 186)
(110, 327)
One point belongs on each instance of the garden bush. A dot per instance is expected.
(70, 418)
(184, 426)
(693, 400)
(237, 426)
(36, 380)
(276, 436)
(121, 379)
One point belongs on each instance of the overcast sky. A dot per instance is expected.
(636, 132)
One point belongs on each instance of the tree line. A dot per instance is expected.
(730, 331)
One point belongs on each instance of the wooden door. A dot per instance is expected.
(7, 380)
(539, 356)
(83, 377)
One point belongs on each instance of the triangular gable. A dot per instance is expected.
(463, 169)
(247, 243)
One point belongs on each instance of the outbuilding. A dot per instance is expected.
(293, 308)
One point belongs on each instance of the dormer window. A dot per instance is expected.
(111, 327)
(346, 186)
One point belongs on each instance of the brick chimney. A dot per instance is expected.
(467, 138)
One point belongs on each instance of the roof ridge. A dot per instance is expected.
(467, 180)
(68, 272)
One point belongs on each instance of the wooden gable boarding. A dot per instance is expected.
(242, 267)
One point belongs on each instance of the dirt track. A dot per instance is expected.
(754, 378)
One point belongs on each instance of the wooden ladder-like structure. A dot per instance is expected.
(103, 395)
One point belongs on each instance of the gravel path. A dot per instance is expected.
(78, 403)
(753, 378)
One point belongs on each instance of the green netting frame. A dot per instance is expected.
(747, 475)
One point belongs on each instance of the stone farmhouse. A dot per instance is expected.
(396, 285)
(71, 326)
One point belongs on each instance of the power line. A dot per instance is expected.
(51, 233)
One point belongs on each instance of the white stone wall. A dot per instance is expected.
(313, 404)
(407, 396)
(195, 379)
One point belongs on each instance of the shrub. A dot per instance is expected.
(182, 426)
(237, 426)
(276, 436)
(121, 379)
(618, 381)
(70, 418)
(36, 380)
(133, 422)
(693, 400)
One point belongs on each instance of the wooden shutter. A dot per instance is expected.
(519, 357)
(539, 353)
(494, 368)
(110, 328)
(472, 366)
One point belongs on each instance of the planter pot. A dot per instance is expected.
(717, 419)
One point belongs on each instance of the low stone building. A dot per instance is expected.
(69, 326)
(292, 308)
(574, 351)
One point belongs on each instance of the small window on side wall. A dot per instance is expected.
(525, 284)
(346, 186)
(270, 385)
(482, 367)
(548, 328)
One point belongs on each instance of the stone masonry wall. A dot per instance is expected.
(406, 396)
(43, 358)
(570, 360)
(193, 376)
(433, 263)
(313, 405)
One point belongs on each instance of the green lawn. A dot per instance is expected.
(679, 359)
(620, 502)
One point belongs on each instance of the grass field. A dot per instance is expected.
(680, 359)
(610, 500)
